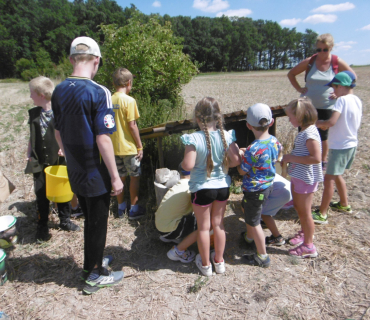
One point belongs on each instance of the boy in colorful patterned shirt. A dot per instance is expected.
(258, 168)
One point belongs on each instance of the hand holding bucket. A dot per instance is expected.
(58, 188)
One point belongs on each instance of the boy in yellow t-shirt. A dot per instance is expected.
(128, 149)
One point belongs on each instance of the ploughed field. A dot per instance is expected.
(44, 278)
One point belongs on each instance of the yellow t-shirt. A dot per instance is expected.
(125, 110)
(175, 204)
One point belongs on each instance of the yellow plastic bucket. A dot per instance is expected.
(58, 188)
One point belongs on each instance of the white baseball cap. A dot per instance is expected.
(257, 112)
(90, 43)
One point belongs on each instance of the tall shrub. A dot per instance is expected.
(152, 53)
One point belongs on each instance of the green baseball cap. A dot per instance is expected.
(343, 79)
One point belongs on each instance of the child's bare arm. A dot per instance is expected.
(29, 148)
(314, 157)
(326, 124)
(190, 155)
(60, 143)
(233, 155)
(136, 135)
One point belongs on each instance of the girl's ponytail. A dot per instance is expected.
(209, 148)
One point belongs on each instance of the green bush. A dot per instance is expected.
(29, 74)
(22, 65)
(63, 69)
(152, 53)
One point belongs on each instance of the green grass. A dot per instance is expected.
(11, 80)
(198, 284)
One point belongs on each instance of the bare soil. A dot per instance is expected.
(44, 278)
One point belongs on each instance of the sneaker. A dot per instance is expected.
(104, 278)
(297, 239)
(136, 215)
(76, 213)
(288, 205)
(303, 251)
(42, 233)
(88, 289)
(275, 241)
(339, 207)
(186, 257)
(318, 217)
(177, 241)
(250, 245)
(107, 260)
(68, 225)
(206, 271)
(255, 260)
(219, 266)
(121, 213)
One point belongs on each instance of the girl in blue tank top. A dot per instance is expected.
(208, 155)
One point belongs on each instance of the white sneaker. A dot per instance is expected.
(220, 266)
(206, 271)
(186, 257)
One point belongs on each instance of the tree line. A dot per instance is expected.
(35, 36)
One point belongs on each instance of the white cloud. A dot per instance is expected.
(156, 4)
(334, 7)
(365, 50)
(321, 18)
(235, 13)
(344, 45)
(210, 5)
(290, 22)
(366, 27)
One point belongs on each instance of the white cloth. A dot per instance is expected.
(343, 135)
(175, 204)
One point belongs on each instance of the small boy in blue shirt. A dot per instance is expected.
(258, 168)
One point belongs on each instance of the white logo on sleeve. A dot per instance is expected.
(109, 121)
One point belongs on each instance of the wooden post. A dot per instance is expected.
(160, 152)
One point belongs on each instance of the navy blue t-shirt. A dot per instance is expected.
(82, 110)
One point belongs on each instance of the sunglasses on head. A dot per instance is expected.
(319, 50)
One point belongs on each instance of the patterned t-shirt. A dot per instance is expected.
(259, 163)
(309, 173)
(82, 110)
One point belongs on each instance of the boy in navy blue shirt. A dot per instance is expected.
(84, 118)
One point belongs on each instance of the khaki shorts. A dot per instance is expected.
(339, 160)
(128, 166)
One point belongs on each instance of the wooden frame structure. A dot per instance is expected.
(234, 120)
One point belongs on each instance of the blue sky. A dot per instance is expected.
(348, 22)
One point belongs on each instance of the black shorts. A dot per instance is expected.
(322, 114)
(205, 197)
(252, 203)
(187, 225)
